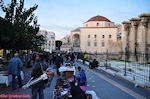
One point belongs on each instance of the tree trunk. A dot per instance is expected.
(4, 54)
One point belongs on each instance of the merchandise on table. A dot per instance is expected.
(62, 89)
(67, 85)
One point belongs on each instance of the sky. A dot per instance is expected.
(62, 16)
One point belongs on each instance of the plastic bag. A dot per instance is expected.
(22, 75)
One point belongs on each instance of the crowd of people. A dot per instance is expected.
(40, 62)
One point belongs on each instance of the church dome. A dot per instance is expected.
(99, 18)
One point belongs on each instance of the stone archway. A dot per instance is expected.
(76, 40)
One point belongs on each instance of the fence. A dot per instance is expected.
(135, 67)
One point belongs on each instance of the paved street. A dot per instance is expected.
(27, 71)
(109, 87)
(104, 85)
(108, 39)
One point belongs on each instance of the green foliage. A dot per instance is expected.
(22, 28)
(5, 34)
(58, 44)
(119, 60)
(38, 49)
(130, 70)
(140, 69)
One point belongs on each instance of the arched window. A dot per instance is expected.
(109, 36)
(95, 36)
(97, 24)
(86, 25)
(103, 36)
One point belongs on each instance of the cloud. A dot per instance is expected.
(60, 31)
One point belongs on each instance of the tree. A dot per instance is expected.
(23, 26)
(58, 44)
(5, 35)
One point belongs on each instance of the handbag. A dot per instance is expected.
(21, 71)
(22, 75)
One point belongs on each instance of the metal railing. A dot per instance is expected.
(133, 66)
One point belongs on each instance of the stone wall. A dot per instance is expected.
(103, 57)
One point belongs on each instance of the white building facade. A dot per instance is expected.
(66, 44)
(98, 35)
(49, 45)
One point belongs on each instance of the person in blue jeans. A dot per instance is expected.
(82, 77)
(14, 68)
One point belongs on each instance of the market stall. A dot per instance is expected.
(67, 85)
(4, 77)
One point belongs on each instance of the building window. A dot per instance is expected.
(89, 44)
(109, 36)
(95, 43)
(103, 36)
(103, 44)
(52, 37)
(95, 36)
(97, 24)
(88, 36)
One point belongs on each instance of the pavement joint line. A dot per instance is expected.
(125, 89)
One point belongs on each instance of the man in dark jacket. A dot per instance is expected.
(72, 57)
(58, 63)
(37, 71)
(62, 59)
(95, 63)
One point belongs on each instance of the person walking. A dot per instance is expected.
(33, 59)
(37, 71)
(72, 57)
(58, 63)
(14, 68)
(84, 58)
(54, 58)
(50, 59)
(62, 59)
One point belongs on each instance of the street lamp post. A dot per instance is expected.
(106, 58)
(125, 62)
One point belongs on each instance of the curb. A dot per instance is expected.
(145, 86)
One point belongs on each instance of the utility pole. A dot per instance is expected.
(106, 58)
(125, 62)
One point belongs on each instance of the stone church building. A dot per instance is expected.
(98, 35)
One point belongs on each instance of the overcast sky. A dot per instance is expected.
(62, 16)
